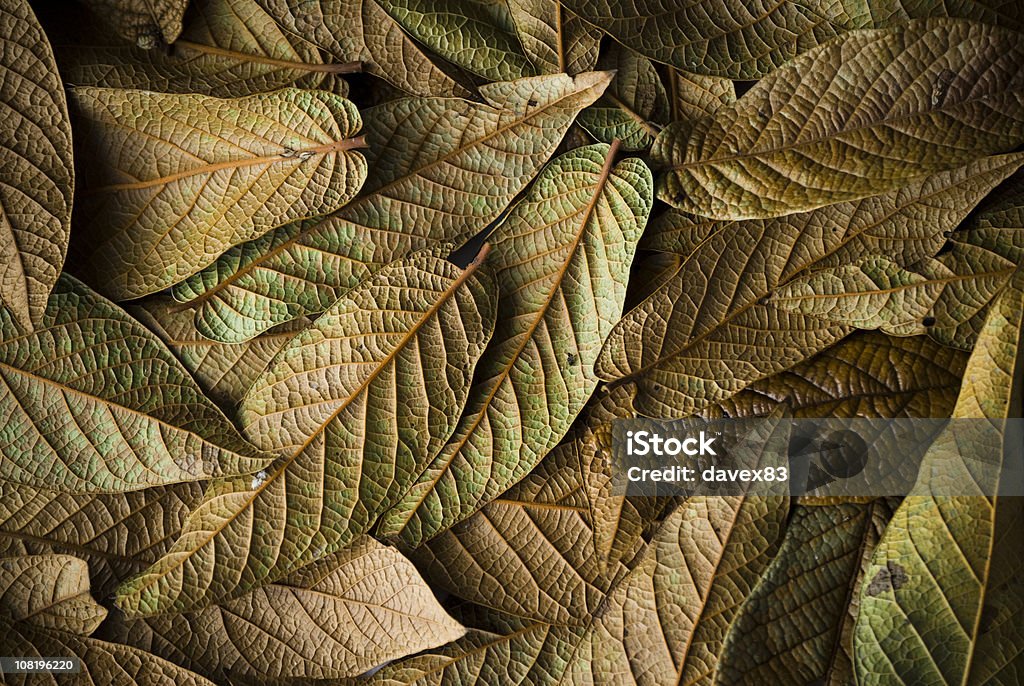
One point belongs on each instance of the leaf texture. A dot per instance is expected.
(876, 293)
(75, 421)
(229, 49)
(50, 592)
(635, 105)
(362, 31)
(356, 405)
(711, 331)
(477, 35)
(929, 95)
(747, 39)
(561, 259)
(103, 663)
(693, 96)
(797, 625)
(116, 533)
(337, 617)
(555, 40)
(165, 195)
(144, 22)
(867, 374)
(224, 370)
(443, 170)
(940, 599)
(38, 175)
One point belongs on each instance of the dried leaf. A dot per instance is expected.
(38, 177)
(747, 39)
(165, 194)
(355, 407)
(929, 96)
(561, 258)
(555, 40)
(427, 187)
(224, 370)
(634, 106)
(229, 49)
(361, 31)
(116, 533)
(103, 663)
(94, 403)
(337, 617)
(865, 375)
(49, 591)
(477, 35)
(710, 331)
(694, 97)
(144, 22)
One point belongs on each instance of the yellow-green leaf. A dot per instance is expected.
(439, 144)
(337, 617)
(355, 405)
(796, 627)
(165, 194)
(634, 107)
(561, 259)
(94, 403)
(928, 95)
(38, 176)
(49, 591)
(942, 597)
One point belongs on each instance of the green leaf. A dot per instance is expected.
(229, 49)
(103, 663)
(337, 617)
(928, 96)
(224, 370)
(710, 331)
(555, 40)
(116, 533)
(867, 374)
(38, 176)
(747, 39)
(477, 35)
(361, 31)
(942, 596)
(164, 195)
(561, 258)
(443, 169)
(796, 627)
(49, 591)
(874, 292)
(634, 106)
(93, 403)
(355, 405)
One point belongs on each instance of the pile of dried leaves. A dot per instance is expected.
(273, 411)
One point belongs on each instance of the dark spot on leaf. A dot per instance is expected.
(891, 577)
(570, 359)
(531, 102)
(928, 321)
